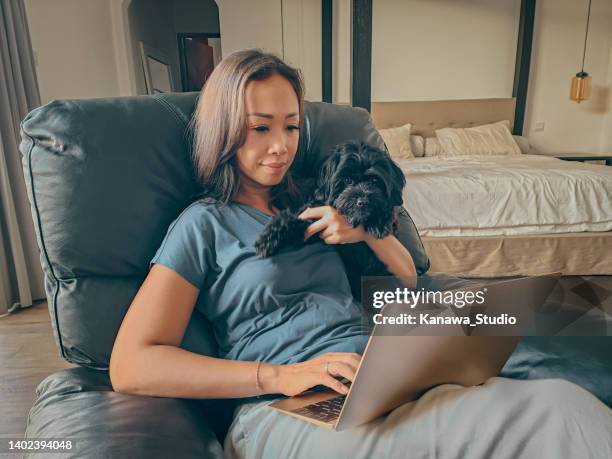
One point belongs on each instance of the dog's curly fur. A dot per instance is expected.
(365, 186)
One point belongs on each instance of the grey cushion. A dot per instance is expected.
(106, 177)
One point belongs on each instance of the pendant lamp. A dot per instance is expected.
(581, 83)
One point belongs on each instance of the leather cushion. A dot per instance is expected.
(79, 404)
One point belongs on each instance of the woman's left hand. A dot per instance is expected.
(336, 230)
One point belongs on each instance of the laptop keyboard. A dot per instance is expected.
(326, 411)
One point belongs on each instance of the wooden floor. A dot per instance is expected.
(28, 354)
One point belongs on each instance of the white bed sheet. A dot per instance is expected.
(506, 195)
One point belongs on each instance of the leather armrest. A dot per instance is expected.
(79, 404)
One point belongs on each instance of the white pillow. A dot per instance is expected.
(433, 147)
(398, 141)
(417, 143)
(488, 139)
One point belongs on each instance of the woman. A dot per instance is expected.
(287, 323)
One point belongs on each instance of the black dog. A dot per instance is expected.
(365, 186)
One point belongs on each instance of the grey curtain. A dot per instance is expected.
(21, 279)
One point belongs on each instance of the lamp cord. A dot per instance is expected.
(586, 35)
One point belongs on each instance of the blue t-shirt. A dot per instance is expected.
(284, 309)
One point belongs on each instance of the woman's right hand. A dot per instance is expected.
(298, 377)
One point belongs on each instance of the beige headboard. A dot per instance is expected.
(427, 116)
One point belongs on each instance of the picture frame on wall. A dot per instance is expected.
(157, 70)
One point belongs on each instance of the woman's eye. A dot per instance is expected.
(293, 127)
(261, 128)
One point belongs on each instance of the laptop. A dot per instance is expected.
(397, 369)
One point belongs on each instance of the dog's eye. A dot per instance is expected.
(349, 181)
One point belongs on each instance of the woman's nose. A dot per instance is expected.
(279, 145)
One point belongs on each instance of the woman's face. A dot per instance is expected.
(272, 113)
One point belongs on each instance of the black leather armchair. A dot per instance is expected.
(105, 178)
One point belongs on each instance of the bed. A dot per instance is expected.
(501, 215)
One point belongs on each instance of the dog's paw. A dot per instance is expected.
(285, 230)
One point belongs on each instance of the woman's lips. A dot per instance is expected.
(275, 167)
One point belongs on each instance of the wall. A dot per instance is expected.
(557, 56)
(423, 50)
(195, 16)
(290, 29)
(459, 50)
(302, 42)
(81, 29)
(250, 24)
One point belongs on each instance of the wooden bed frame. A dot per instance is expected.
(584, 253)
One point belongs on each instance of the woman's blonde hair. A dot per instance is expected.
(219, 123)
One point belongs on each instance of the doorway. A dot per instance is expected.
(199, 53)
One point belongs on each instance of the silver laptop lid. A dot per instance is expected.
(399, 364)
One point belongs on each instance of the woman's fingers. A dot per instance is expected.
(330, 231)
(349, 358)
(333, 239)
(324, 216)
(342, 369)
(323, 369)
(334, 384)
(315, 227)
(315, 212)
(331, 225)
(342, 354)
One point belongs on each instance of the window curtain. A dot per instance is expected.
(21, 278)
